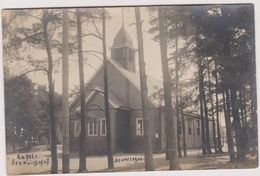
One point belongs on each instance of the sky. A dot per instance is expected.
(151, 49)
(118, 17)
(113, 25)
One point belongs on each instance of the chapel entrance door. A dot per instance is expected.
(123, 130)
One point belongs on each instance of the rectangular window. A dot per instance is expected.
(77, 128)
(103, 130)
(189, 127)
(95, 128)
(139, 127)
(198, 127)
(92, 128)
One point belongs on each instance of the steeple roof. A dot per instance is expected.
(122, 39)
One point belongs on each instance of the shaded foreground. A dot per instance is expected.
(194, 161)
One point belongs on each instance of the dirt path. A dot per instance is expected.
(39, 162)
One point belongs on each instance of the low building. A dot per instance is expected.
(127, 129)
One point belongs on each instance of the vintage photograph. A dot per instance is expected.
(134, 88)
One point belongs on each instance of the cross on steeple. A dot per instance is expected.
(123, 25)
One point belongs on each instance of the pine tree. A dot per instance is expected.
(65, 93)
(54, 165)
(82, 151)
(171, 126)
(106, 96)
(148, 151)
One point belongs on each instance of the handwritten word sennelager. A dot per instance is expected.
(134, 159)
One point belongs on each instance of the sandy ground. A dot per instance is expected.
(39, 161)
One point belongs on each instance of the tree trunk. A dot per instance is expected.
(177, 97)
(167, 143)
(212, 110)
(13, 136)
(201, 80)
(237, 125)
(203, 144)
(230, 142)
(106, 97)
(13, 146)
(253, 110)
(54, 163)
(183, 126)
(244, 132)
(171, 121)
(82, 147)
(244, 104)
(254, 98)
(29, 139)
(65, 94)
(219, 145)
(241, 108)
(148, 150)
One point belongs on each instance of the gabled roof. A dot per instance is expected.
(122, 39)
(99, 91)
(153, 84)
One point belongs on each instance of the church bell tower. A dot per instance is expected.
(122, 50)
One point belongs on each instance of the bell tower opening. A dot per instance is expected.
(122, 50)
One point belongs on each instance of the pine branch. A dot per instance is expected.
(34, 70)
